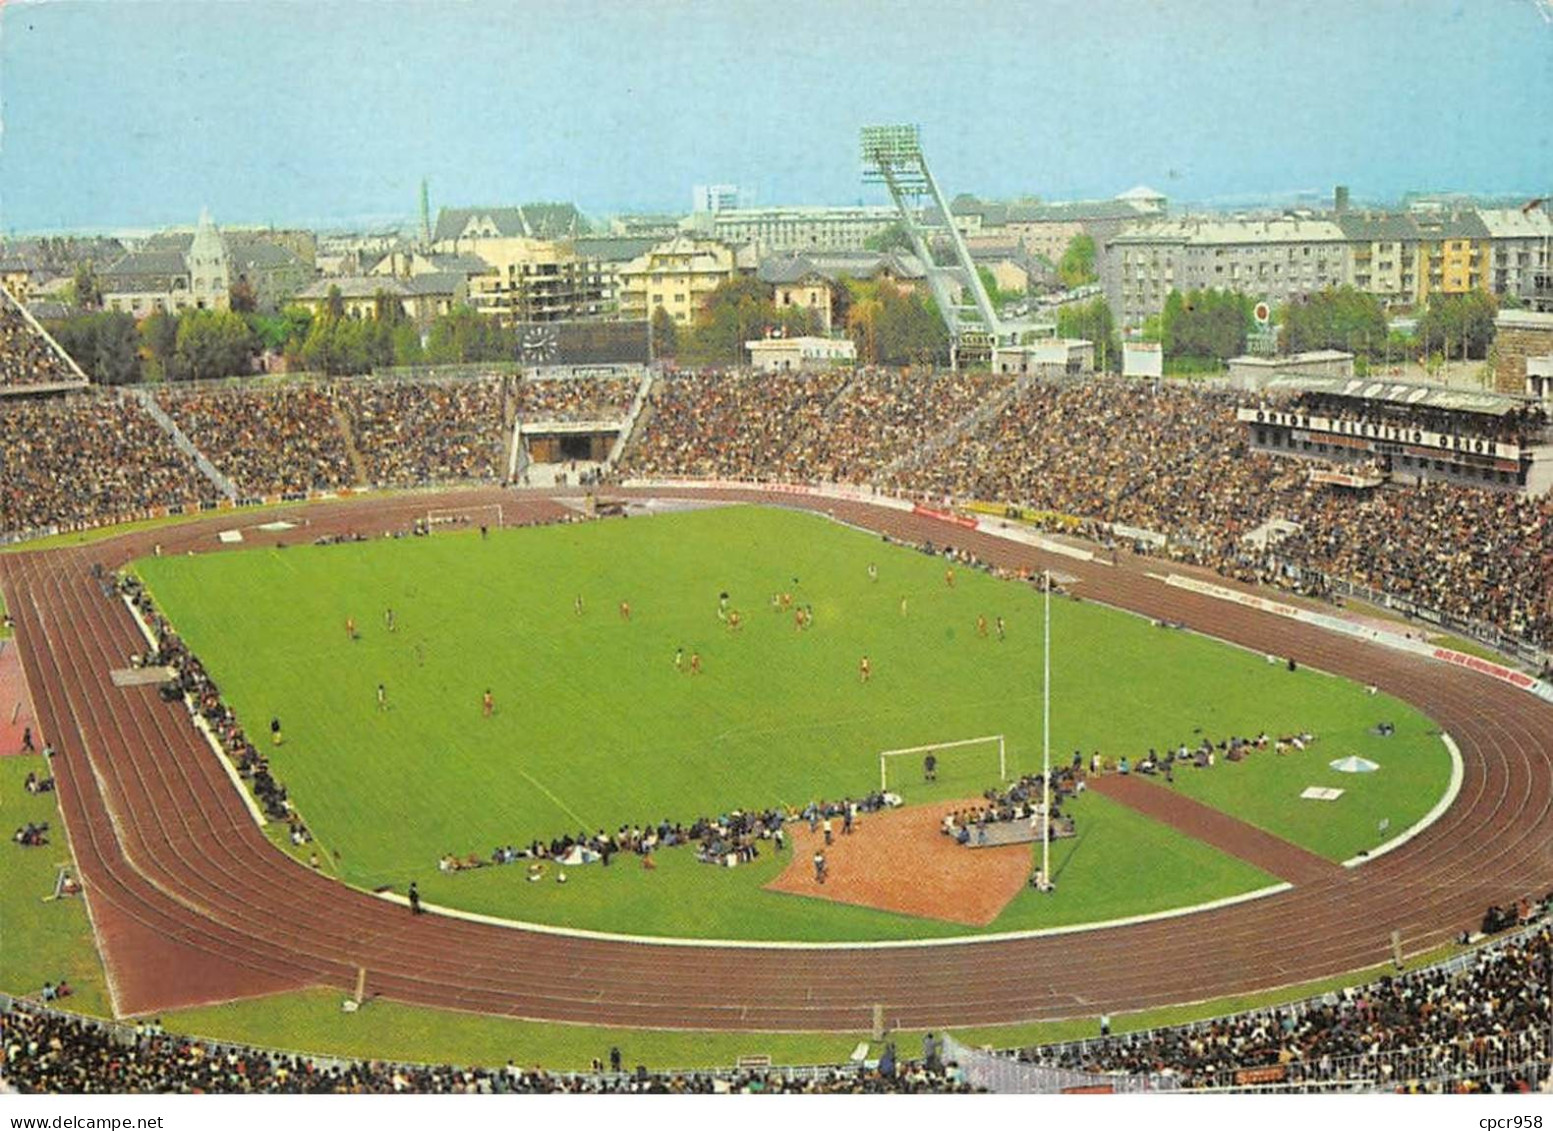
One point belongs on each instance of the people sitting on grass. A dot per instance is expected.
(31, 835)
(728, 839)
(1021, 801)
(35, 784)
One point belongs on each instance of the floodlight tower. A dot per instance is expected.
(892, 156)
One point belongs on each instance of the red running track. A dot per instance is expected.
(192, 904)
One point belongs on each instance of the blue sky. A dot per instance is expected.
(136, 113)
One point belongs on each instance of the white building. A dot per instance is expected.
(784, 355)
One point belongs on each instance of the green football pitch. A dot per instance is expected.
(594, 727)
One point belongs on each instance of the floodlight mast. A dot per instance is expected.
(892, 156)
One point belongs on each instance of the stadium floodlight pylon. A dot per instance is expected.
(940, 747)
(476, 514)
(892, 156)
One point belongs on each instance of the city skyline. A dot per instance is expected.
(125, 115)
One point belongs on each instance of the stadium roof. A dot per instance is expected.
(1404, 393)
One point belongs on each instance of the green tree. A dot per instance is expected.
(1338, 318)
(407, 345)
(1206, 326)
(88, 290)
(105, 344)
(1077, 266)
(1093, 322)
(863, 319)
(159, 341)
(283, 332)
(334, 304)
(736, 311)
(665, 335)
(908, 330)
(893, 237)
(213, 343)
(1460, 325)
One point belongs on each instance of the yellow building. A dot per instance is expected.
(676, 276)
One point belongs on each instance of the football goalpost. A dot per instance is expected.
(465, 518)
(936, 748)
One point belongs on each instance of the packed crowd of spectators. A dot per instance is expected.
(85, 459)
(727, 839)
(733, 425)
(53, 1053)
(414, 434)
(574, 399)
(192, 684)
(1168, 471)
(1441, 1024)
(26, 356)
(883, 416)
(277, 439)
(1469, 553)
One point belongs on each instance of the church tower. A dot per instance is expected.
(208, 266)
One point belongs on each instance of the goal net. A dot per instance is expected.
(965, 762)
(464, 518)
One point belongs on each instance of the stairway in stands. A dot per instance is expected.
(347, 436)
(966, 425)
(181, 441)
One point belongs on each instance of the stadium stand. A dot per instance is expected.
(415, 434)
(29, 359)
(82, 460)
(280, 439)
(575, 399)
(51, 1052)
(1170, 471)
(1478, 1023)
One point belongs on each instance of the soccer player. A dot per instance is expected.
(695, 663)
(382, 697)
(1000, 628)
(865, 670)
(388, 619)
(625, 610)
(949, 577)
(981, 627)
(350, 628)
(275, 731)
(903, 606)
(487, 704)
(873, 572)
(679, 659)
(577, 605)
(735, 619)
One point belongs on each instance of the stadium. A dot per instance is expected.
(289, 657)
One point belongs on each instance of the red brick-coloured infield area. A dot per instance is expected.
(191, 903)
(898, 860)
(15, 704)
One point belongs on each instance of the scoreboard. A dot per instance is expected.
(584, 343)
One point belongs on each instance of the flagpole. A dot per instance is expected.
(1046, 744)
